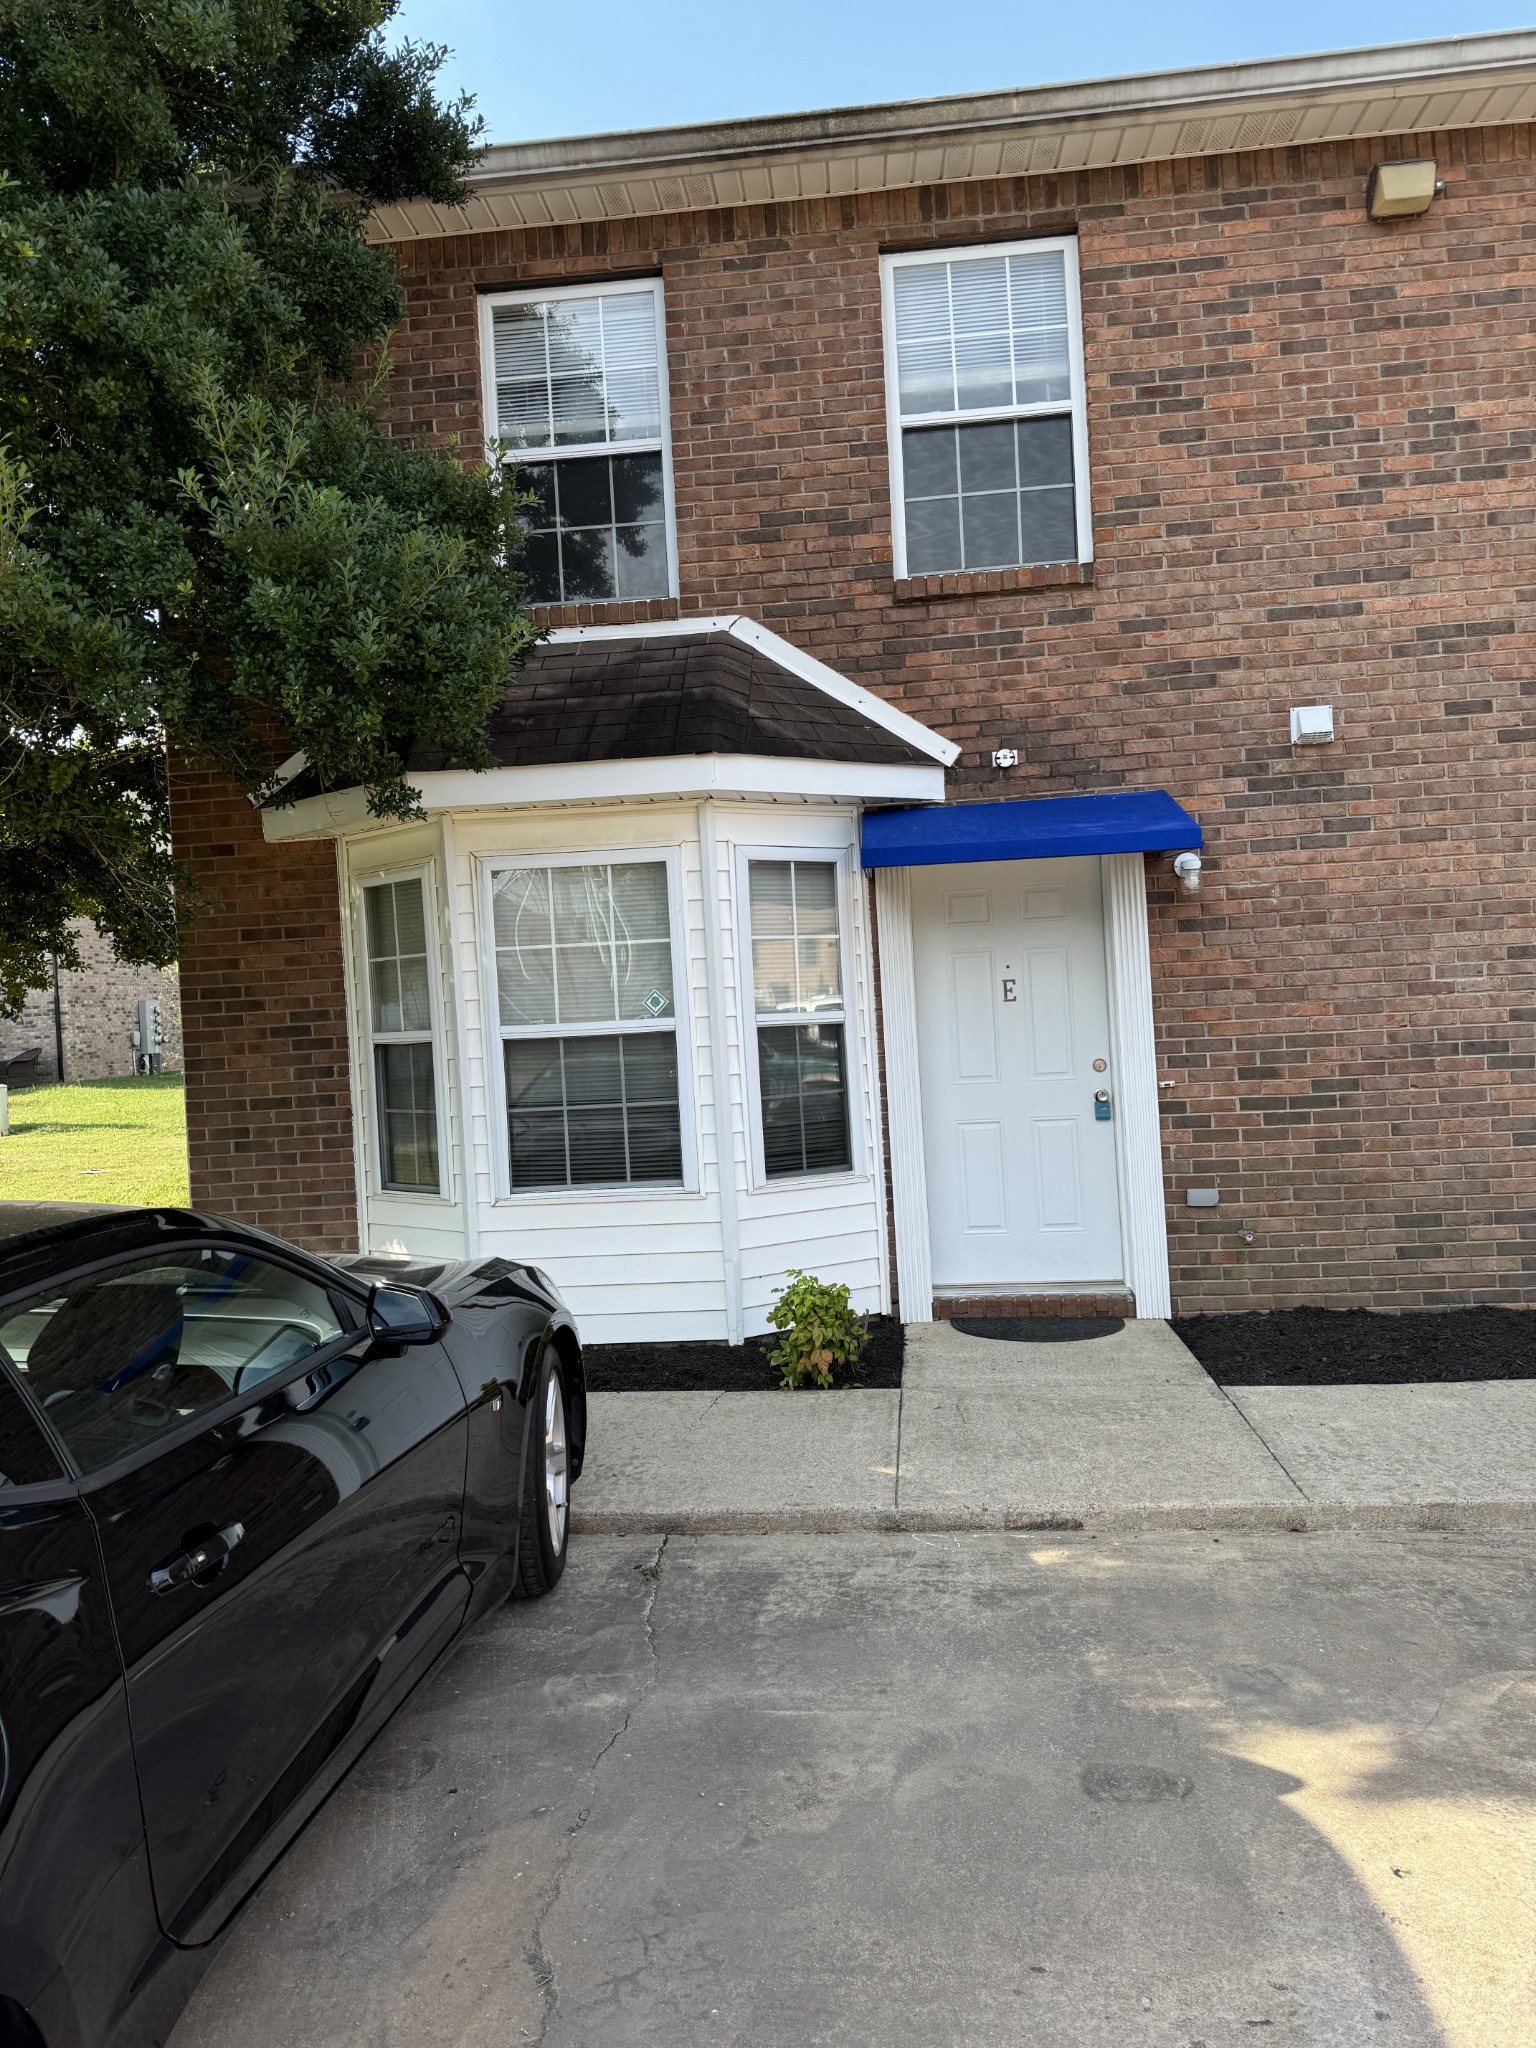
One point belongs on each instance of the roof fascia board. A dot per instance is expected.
(684, 778)
(850, 694)
(846, 148)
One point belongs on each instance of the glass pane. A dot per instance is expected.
(805, 1099)
(981, 333)
(771, 886)
(1048, 521)
(640, 561)
(990, 527)
(645, 979)
(928, 459)
(585, 492)
(640, 901)
(398, 968)
(583, 911)
(819, 978)
(578, 372)
(987, 458)
(795, 950)
(933, 536)
(983, 372)
(631, 360)
(525, 972)
(586, 563)
(119, 1359)
(541, 567)
(585, 1112)
(584, 984)
(925, 376)
(978, 290)
(25, 1456)
(613, 956)
(638, 492)
(407, 1116)
(1045, 452)
(815, 896)
(773, 974)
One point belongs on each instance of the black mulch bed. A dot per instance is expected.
(730, 1368)
(1361, 1347)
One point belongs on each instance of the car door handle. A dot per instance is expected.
(190, 1564)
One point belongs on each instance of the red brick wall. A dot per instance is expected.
(1312, 481)
(269, 1111)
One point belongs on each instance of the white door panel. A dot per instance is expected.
(1012, 1013)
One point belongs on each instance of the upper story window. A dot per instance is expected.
(984, 379)
(576, 393)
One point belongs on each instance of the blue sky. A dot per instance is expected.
(554, 68)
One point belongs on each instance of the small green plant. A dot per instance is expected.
(820, 1329)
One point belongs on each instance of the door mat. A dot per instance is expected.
(731, 1368)
(1362, 1347)
(1039, 1329)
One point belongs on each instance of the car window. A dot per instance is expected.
(119, 1358)
(25, 1456)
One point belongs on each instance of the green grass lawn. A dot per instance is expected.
(98, 1141)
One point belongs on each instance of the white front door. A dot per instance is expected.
(1013, 1050)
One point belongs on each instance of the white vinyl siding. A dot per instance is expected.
(576, 394)
(984, 379)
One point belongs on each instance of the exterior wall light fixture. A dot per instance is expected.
(1400, 191)
(1005, 757)
(1186, 872)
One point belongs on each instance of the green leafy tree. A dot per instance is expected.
(209, 539)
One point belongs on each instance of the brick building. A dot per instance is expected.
(901, 473)
(83, 1027)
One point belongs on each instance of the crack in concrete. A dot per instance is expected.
(1243, 1417)
(535, 1954)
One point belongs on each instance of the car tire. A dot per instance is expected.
(544, 1533)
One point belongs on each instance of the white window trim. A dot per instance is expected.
(1078, 408)
(842, 859)
(498, 450)
(426, 873)
(488, 866)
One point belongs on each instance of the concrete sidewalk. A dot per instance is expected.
(1117, 1432)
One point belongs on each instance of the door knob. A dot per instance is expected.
(190, 1564)
(1101, 1105)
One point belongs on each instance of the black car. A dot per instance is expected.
(247, 1499)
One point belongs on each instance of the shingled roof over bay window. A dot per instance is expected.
(697, 707)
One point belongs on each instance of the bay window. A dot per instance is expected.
(984, 380)
(588, 1020)
(576, 394)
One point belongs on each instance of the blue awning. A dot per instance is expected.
(1029, 828)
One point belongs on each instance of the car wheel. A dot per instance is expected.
(546, 1520)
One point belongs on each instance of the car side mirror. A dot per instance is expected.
(405, 1315)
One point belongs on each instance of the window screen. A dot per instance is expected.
(579, 401)
(585, 990)
(797, 991)
(985, 377)
(400, 1018)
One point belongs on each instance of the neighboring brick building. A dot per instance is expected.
(1266, 453)
(90, 1016)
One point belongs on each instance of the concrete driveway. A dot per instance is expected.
(1156, 1791)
